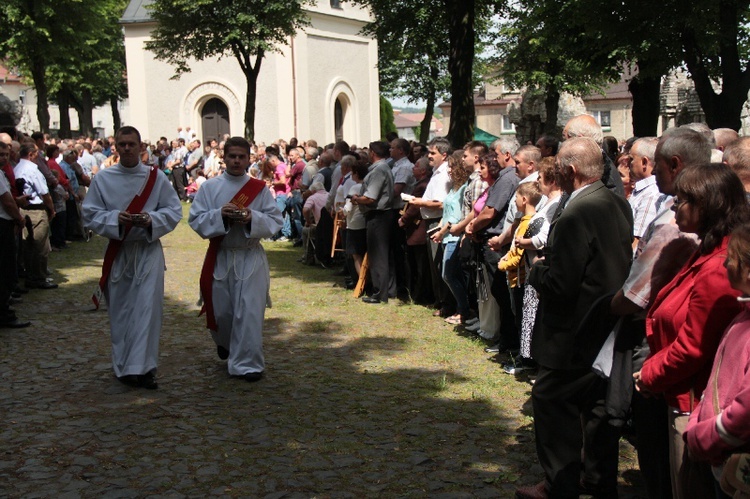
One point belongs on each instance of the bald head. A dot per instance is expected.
(5, 138)
(583, 125)
(724, 137)
(580, 163)
(737, 157)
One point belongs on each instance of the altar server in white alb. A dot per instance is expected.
(235, 212)
(132, 205)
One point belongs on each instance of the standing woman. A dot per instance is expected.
(687, 318)
(718, 427)
(453, 274)
(489, 309)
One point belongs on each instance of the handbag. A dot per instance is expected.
(735, 474)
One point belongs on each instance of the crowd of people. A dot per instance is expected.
(613, 275)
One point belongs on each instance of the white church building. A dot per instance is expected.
(323, 85)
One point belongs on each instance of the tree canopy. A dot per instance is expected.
(245, 29)
(51, 42)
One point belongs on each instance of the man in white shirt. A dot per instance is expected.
(40, 211)
(645, 193)
(431, 208)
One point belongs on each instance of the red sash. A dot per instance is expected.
(242, 199)
(135, 206)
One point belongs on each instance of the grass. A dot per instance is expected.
(358, 400)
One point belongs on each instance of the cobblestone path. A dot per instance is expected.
(381, 401)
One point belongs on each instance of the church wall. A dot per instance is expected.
(328, 57)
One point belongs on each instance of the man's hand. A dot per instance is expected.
(22, 201)
(124, 218)
(494, 243)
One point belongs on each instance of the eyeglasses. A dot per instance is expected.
(678, 204)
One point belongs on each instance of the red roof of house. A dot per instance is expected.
(8, 76)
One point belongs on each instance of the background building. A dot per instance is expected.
(323, 85)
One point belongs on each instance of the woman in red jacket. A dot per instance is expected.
(687, 318)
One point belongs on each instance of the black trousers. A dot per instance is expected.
(324, 237)
(382, 271)
(7, 264)
(179, 179)
(509, 335)
(570, 415)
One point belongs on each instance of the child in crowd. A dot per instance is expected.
(513, 263)
(192, 188)
(718, 430)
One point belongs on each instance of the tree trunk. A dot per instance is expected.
(113, 103)
(460, 64)
(40, 85)
(646, 91)
(87, 114)
(551, 105)
(424, 126)
(63, 103)
(722, 110)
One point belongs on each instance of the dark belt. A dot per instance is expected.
(32, 207)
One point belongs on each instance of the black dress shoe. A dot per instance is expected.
(129, 379)
(222, 352)
(253, 377)
(41, 285)
(148, 381)
(370, 299)
(20, 291)
(15, 324)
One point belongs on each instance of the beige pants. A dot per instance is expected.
(36, 249)
(690, 479)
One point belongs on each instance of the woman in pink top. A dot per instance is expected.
(720, 424)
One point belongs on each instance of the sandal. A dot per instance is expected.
(454, 319)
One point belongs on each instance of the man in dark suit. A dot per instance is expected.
(587, 256)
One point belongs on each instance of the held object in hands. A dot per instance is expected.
(238, 214)
(139, 218)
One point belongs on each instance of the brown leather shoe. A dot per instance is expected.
(538, 491)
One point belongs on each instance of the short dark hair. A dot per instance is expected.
(26, 148)
(477, 147)
(380, 149)
(441, 144)
(341, 146)
(360, 168)
(128, 130)
(237, 142)
(403, 144)
(37, 136)
(550, 142)
(493, 166)
(52, 150)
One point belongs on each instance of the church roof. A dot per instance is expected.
(136, 12)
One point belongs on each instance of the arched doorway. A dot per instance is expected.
(215, 119)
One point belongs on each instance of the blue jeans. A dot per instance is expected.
(286, 230)
(455, 277)
(294, 206)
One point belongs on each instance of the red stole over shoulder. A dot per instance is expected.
(242, 199)
(135, 206)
